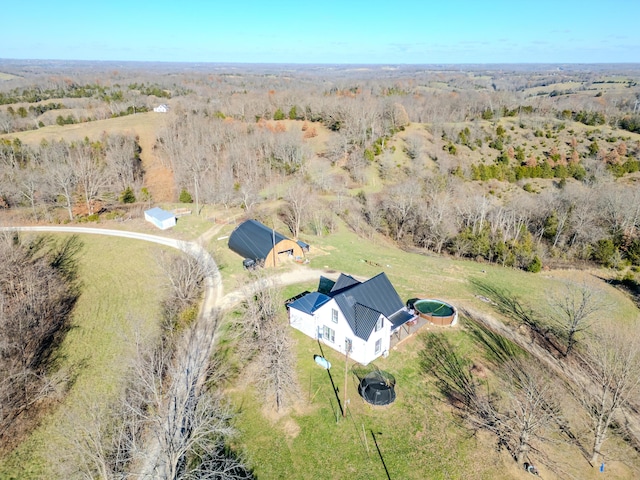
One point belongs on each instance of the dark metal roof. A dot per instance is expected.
(344, 281)
(325, 285)
(252, 239)
(401, 317)
(362, 303)
(310, 302)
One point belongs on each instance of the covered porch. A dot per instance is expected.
(405, 329)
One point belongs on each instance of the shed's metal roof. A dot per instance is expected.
(159, 214)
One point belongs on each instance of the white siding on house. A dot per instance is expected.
(316, 325)
(303, 322)
(384, 336)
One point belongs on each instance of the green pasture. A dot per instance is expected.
(120, 294)
(418, 435)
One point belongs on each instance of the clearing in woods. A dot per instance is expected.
(158, 178)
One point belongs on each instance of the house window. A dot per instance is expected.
(348, 345)
(329, 334)
(378, 345)
(379, 323)
(334, 315)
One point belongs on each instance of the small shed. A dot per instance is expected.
(255, 241)
(160, 218)
(164, 108)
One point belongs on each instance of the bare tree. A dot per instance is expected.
(519, 410)
(265, 342)
(165, 423)
(61, 176)
(29, 181)
(414, 146)
(399, 206)
(299, 199)
(122, 161)
(90, 170)
(37, 293)
(531, 405)
(572, 311)
(184, 277)
(611, 362)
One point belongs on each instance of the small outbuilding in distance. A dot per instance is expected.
(263, 245)
(160, 218)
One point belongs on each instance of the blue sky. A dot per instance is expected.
(418, 32)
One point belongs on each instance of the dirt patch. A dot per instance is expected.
(291, 428)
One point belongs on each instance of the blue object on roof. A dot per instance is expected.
(310, 302)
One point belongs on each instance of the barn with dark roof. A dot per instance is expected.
(263, 245)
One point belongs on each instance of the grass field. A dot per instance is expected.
(418, 435)
(120, 292)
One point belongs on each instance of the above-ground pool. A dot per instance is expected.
(436, 311)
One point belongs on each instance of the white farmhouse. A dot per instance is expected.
(164, 108)
(352, 316)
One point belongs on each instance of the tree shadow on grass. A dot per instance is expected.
(511, 306)
(496, 347)
(628, 285)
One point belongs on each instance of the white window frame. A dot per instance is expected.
(329, 334)
(334, 315)
(379, 324)
(378, 346)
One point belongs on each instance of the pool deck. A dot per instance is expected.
(407, 331)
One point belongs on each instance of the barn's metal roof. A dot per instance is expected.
(252, 239)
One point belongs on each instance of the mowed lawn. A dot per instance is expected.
(418, 435)
(121, 288)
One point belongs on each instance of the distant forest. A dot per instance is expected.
(521, 165)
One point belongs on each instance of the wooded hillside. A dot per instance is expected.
(515, 170)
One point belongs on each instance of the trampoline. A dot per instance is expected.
(378, 388)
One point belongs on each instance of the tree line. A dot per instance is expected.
(38, 290)
(80, 176)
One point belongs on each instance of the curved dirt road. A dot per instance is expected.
(192, 356)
